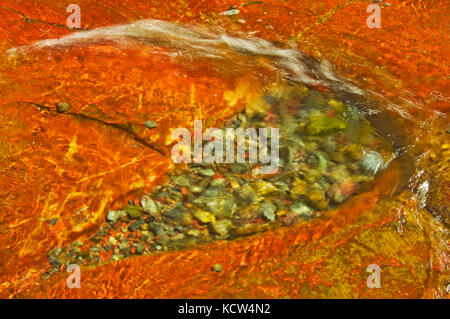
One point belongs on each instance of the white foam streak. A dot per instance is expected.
(199, 42)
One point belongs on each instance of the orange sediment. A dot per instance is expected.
(74, 166)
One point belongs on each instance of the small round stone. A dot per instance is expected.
(217, 268)
(150, 124)
(62, 107)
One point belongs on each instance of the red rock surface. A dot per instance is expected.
(75, 166)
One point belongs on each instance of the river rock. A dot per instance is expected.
(320, 124)
(112, 241)
(62, 107)
(335, 194)
(174, 194)
(136, 225)
(182, 180)
(250, 229)
(299, 188)
(150, 124)
(196, 189)
(246, 194)
(221, 227)
(312, 175)
(240, 168)
(222, 207)
(247, 214)
(139, 248)
(352, 151)
(204, 216)
(213, 192)
(217, 268)
(114, 215)
(179, 215)
(149, 206)
(233, 182)
(218, 182)
(263, 188)
(134, 211)
(123, 245)
(315, 100)
(372, 162)
(159, 229)
(268, 210)
(337, 157)
(207, 172)
(299, 208)
(317, 196)
(256, 107)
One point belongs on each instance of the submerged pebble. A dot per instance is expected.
(150, 124)
(217, 268)
(114, 215)
(372, 162)
(62, 107)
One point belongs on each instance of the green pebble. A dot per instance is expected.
(134, 211)
(150, 124)
(62, 107)
(217, 268)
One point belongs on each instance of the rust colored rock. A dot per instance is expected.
(75, 165)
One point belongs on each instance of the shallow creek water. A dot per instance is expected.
(328, 152)
(335, 140)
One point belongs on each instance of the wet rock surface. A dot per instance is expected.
(328, 153)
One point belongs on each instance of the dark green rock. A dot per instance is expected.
(221, 227)
(268, 211)
(159, 229)
(179, 215)
(182, 180)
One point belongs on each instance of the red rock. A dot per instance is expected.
(37, 182)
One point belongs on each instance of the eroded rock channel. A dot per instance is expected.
(328, 152)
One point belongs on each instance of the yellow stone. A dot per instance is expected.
(204, 216)
(299, 187)
(317, 197)
(257, 106)
(193, 232)
(234, 183)
(338, 106)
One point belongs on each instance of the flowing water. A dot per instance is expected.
(337, 141)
